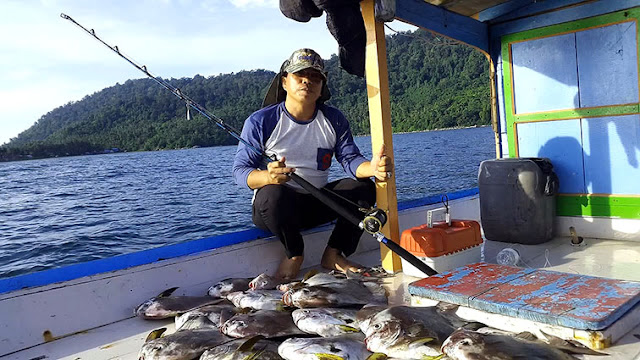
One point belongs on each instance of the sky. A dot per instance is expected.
(47, 62)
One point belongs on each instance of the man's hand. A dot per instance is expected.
(275, 174)
(380, 166)
(278, 172)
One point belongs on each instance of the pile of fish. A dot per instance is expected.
(326, 316)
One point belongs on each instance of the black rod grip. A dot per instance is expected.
(326, 199)
(426, 269)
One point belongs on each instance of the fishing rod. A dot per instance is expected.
(373, 220)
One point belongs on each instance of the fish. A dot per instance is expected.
(254, 348)
(408, 332)
(466, 344)
(343, 293)
(364, 315)
(224, 287)
(326, 348)
(258, 299)
(268, 323)
(264, 282)
(216, 314)
(181, 345)
(326, 321)
(198, 322)
(165, 306)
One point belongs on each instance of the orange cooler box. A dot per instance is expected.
(442, 247)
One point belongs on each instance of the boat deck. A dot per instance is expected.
(607, 258)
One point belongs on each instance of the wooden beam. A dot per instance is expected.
(377, 79)
(444, 22)
(589, 9)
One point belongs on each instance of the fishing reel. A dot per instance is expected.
(373, 221)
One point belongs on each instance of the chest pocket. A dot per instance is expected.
(324, 158)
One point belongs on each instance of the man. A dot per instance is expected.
(304, 134)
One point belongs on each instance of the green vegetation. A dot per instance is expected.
(433, 84)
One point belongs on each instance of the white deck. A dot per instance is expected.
(608, 258)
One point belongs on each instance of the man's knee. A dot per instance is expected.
(274, 200)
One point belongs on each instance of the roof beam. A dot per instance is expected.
(444, 22)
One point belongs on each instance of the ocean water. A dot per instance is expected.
(61, 211)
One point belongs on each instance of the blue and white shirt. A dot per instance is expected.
(307, 146)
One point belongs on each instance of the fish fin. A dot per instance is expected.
(423, 340)
(155, 334)
(250, 343)
(474, 325)
(447, 307)
(377, 356)
(570, 345)
(347, 328)
(167, 292)
(526, 335)
(323, 356)
(309, 274)
(255, 355)
(281, 306)
(432, 357)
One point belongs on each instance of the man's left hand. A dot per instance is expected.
(381, 164)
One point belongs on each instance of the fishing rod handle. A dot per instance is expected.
(409, 257)
(349, 216)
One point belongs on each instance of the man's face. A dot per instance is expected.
(304, 86)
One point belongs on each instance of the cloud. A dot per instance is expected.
(243, 4)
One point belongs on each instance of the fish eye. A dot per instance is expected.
(377, 326)
(305, 290)
(466, 342)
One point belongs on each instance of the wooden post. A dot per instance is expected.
(381, 132)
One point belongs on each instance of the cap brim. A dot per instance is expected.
(296, 68)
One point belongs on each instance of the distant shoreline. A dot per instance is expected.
(440, 129)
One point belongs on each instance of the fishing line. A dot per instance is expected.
(373, 221)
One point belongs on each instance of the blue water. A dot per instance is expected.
(61, 211)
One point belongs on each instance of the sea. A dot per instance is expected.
(61, 211)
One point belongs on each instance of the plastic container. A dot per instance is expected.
(517, 200)
(442, 247)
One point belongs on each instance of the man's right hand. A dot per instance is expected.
(275, 174)
(278, 172)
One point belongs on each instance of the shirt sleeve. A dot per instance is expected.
(246, 159)
(347, 152)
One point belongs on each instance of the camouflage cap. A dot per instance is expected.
(304, 59)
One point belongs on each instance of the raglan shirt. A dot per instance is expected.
(307, 146)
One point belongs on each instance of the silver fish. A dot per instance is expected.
(214, 313)
(366, 313)
(329, 348)
(223, 288)
(198, 322)
(257, 299)
(268, 323)
(254, 348)
(471, 345)
(343, 293)
(164, 306)
(181, 345)
(264, 282)
(408, 332)
(326, 321)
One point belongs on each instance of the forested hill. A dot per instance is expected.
(433, 84)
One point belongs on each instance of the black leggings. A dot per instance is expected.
(285, 212)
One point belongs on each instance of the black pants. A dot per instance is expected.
(285, 212)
